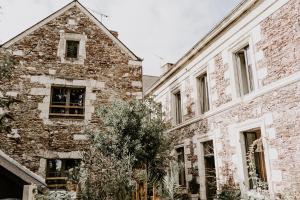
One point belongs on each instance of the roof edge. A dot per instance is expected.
(27, 174)
(222, 25)
(37, 25)
(58, 13)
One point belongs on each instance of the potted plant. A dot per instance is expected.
(194, 188)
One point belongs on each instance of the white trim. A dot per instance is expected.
(236, 140)
(183, 145)
(201, 163)
(61, 50)
(243, 26)
(249, 97)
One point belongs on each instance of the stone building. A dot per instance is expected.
(65, 67)
(237, 85)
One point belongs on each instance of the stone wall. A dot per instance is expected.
(105, 70)
(273, 107)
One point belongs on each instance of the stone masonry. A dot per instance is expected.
(272, 30)
(105, 67)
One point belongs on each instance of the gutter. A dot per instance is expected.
(226, 22)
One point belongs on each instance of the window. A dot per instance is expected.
(210, 170)
(254, 137)
(57, 172)
(244, 70)
(177, 104)
(203, 93)
(67, 102)
(72, 48)
(181, 165)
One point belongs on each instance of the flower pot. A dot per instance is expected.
(194, 196)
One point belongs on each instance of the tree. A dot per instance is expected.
(130, 149)
(6, 64)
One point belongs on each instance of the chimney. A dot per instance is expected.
(115, 33)
(166, 68)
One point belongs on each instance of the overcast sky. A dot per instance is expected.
(158, 31)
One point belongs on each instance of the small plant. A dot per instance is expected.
(260, 189)
(171, 190)
(229, 192)
(194, 186)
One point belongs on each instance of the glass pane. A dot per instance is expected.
(77, 97)
(72, 49)
(59, 96)
(181, 165)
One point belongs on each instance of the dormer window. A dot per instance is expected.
(72, 48)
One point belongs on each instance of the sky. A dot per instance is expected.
(159, 31)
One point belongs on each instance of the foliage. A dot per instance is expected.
(6, 64)
(171, 190)
(130, 148)
(138, 124)
(260, 189)
(194, 186)
(229, 192)
(54, 195)
(106, 176)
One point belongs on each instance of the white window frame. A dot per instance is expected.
(198, 105)
(237, 140)
(185, 161)
(234, 80)
(174, 105)
(201, 162)
(61, 52)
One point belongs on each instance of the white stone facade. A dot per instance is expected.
(273, 106)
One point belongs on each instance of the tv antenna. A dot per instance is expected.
(102, 15)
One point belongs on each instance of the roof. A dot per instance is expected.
(20, 171)
(61, 11)
(148, 81)
(235, 14)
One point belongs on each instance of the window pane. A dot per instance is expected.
(181, 165)
(72, 49)
(67, 102)
(250, 138)
(178, 107)
(57, 172)
(245, 74)
(203, 93)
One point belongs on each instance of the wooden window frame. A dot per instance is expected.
(59, 181)
(67, 107)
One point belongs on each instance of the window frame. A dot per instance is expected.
(248, 76)
(53, 115)
(177, 113)
(236, 139)
(200, 96)
(66, 50)
(60, 180)
(259, 155)
(201, 139)
(183, 170)
(238, 44)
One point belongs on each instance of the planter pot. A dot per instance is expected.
(194, 196)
